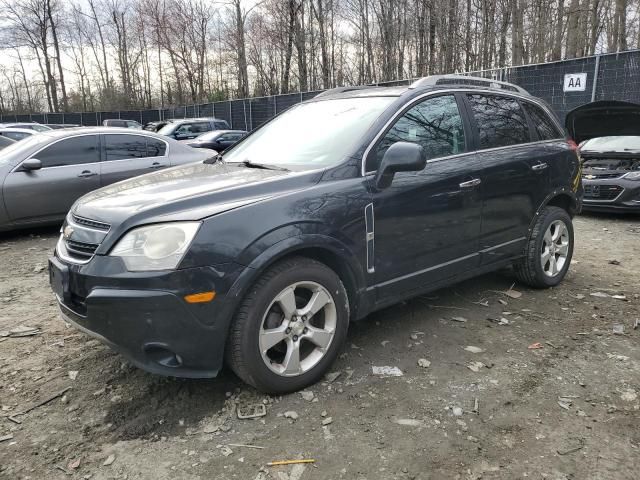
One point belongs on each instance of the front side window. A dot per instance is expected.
(317, 134)
(120, 147)
(435, 124)
(544, 126)
(200, 127)
(500, 120)
(71, 151)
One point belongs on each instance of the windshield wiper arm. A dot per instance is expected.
(265, 166)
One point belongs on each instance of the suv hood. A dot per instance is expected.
(188, 192)
(603, 119)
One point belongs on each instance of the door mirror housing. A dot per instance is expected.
(400, 157)
(31, 164)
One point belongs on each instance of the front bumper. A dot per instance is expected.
(613, 195)
(144, 315)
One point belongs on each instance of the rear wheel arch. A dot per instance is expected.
(565, 201)
(563, 198)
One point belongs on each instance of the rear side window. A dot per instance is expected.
(500, 121)
(220, 125)
(120, 147)
(156, 148)
(544, 126)
(71, 151)
(434, 123)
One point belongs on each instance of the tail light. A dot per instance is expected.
(572, 145)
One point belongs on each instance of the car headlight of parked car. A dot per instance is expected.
(155, 247)
(632, 176)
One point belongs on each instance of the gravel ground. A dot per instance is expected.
(568, 410)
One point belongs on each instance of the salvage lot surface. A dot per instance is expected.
(570, 409)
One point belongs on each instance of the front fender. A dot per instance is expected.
(289, 246)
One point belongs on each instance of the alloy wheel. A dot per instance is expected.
(555, 248)
(297, 328)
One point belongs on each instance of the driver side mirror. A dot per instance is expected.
(400, 157)
(31, 164)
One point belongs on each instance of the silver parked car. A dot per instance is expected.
(16, 133)
(41, 176)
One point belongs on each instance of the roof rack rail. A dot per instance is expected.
(433, 80)
(334, 91)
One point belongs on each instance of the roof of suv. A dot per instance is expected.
(434, 82)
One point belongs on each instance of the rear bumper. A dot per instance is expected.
(154, 328)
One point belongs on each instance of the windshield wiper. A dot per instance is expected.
(265, 166)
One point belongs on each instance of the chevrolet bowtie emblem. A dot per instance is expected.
(66, 233)
(589, 177)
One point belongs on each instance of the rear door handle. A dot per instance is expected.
(157, 165)
(539, 167)
(87, 173)
(471, 183)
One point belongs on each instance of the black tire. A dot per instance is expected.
(529, 270)
(243, 351)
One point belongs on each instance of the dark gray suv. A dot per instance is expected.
(263, 255)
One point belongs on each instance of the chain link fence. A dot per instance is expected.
(613, 76)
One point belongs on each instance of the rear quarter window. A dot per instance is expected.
(500, 120)
(545, 127)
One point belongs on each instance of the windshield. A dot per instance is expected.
(612, 144)
(206, 137)
(167, 129)
(311, 135)
(23, 145)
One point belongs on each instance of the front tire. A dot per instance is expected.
(290, 326)
(549, 250)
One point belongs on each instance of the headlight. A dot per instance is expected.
(632, 176)
(155, 247)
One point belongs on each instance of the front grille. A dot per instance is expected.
(80, 250)
(602, 192)
(592, 175)
(90, 223)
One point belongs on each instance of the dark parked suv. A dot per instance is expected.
(262, 256)
(192, 127)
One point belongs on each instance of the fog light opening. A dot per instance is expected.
(162, 355)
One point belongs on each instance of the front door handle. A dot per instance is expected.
(471, 183)
(87, 174)
(156, 165)
(539, 167)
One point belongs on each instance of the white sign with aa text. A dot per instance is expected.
(575, 82)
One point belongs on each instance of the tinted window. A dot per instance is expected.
(435, 124)
(194, 128)
(500, 120)
(545, 127)
(16, 135)
(220, 125)
(71, 151)
(156, 148)
(120, 147)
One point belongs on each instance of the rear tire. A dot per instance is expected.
(290, 326)
(549, 250)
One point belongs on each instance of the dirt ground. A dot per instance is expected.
(568, 410)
